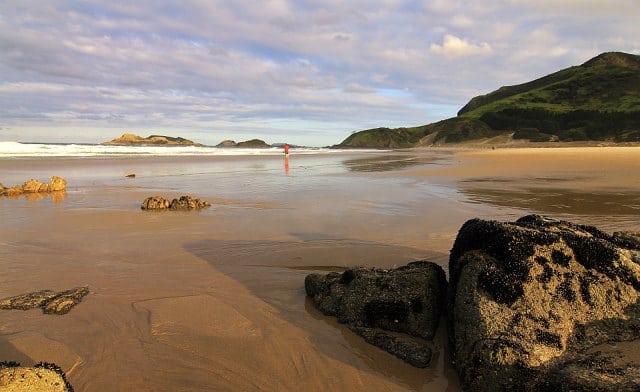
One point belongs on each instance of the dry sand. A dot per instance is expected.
(577, 167)
(214, 300)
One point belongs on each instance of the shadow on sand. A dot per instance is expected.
(274, 271)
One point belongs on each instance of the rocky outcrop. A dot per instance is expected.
(49, 301)
(397, 310)
(129, 139)
(253, 143)
(42, 377)
(182, 203)
(536, 304)
(227, 143)
(56, 184)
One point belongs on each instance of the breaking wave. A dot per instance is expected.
(18, 150)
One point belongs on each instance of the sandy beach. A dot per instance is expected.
(214, 299)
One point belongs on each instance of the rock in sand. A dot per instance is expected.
(397, 310)
(182, 203)
(49, 301)
(56, 184)
(43, 377)
(539, 304)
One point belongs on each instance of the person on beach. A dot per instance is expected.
(286, 149)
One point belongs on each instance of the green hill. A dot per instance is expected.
(598, 100)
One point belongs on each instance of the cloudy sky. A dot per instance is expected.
(305, 71)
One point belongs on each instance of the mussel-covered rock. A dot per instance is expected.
(531, 304)
(397, 310)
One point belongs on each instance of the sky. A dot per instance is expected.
(307, 72)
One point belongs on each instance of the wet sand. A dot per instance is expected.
(214, 300)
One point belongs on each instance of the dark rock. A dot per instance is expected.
(188, 203)
(376, 304)
(528, 300)
(51, 302)
(628, 238)
(593, 371)
(62, 302)
(411, 350)
(43, 376)
(182, 203)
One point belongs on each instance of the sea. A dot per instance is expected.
(12, 149)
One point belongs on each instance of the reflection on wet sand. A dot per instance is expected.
(56, 197)
(559, 201)
(389, 162)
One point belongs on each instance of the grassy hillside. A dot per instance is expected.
(453, 130)
(598, 100)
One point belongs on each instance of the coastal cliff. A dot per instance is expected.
(129, 139)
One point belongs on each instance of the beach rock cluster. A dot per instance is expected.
(56, 184)
(49, 301)
(181, 203)
(42, 377)
(532, 305)
(372, 302)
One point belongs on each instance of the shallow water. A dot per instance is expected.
(214, 299)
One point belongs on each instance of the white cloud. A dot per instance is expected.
(454, 46)
(462, 21)
(358, 89)
(581, 8)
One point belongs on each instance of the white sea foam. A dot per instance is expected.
(19, 150)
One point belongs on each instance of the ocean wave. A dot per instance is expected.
(20, 150)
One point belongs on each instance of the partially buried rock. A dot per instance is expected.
(537, 304)
(396, 310)
(49, 301)
(43, 377)
(182, 203)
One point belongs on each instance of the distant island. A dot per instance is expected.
(253, 143)
(129, 139)
(596, 101)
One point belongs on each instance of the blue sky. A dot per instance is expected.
(305, 72)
